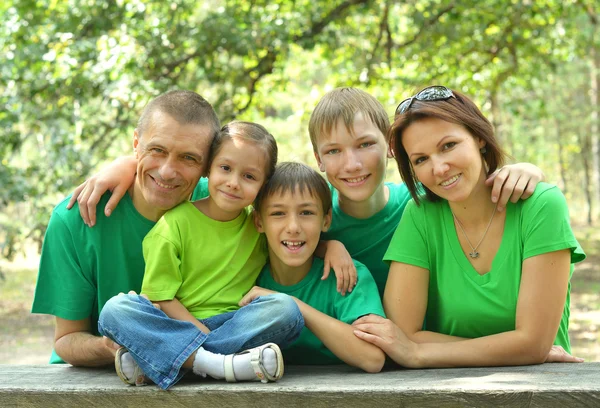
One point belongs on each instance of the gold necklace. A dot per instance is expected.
(474, 254)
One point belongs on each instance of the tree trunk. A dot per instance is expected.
(595, 118)
(561, 161)
(584, 142)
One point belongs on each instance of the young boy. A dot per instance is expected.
(349, 133)
(292, 209)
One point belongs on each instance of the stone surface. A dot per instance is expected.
(547, 385)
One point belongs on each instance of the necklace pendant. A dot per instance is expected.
(474, 254)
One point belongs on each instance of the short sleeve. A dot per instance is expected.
(63, 288)
(363, 300)
(201, 190)
(409, 243)
(162, 254)
(546, 225)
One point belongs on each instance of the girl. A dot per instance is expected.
(468, 285)
(201, 258)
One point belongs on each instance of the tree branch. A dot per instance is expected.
(427, 24)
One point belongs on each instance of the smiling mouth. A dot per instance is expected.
(356, 179)
(293, 245)
(228, 195)
(161, 185)
(451, 180)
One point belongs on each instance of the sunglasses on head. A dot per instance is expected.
(431, 93)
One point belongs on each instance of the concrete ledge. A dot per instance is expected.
(547, 385)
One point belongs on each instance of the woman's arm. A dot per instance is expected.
(405, 302)
(540, 305)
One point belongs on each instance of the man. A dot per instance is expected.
(81, 268)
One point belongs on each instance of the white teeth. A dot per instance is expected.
(293, 243)
(163, 185)
(450, 180)
(356, 180)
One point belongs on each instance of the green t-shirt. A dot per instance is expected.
(207, 265)
(460, 301)
(81, 267)
(201, 190)
(323, 296)
(367, 239)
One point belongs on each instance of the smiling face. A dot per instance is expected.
(354, 161)
(236, 174)
(171, 159)
(445, 158)
(292, 222)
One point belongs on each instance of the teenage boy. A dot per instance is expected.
(292, 209)
(349, 133)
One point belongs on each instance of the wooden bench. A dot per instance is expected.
(547, 385)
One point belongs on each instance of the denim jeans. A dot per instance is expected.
(160, 345)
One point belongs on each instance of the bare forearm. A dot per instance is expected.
(504, 349)
(175, 310)
(84, 350)
(432, 337)
(339, 338)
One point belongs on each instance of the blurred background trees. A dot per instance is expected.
(74, 76)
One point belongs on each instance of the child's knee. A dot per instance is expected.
(285, 308)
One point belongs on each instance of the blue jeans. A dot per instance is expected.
(160, 345)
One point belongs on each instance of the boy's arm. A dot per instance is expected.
(336, 335)
(514, 182)
(339, 338)
(175, 310)
(336, 257)
(117, 177)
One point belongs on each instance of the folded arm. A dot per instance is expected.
(76, 345)
(540, 304)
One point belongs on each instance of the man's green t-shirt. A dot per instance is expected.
(82, 267)
(367, 239)
(323, 296)
(463, 303)
(207, 265)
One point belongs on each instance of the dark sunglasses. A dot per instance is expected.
(431, 93)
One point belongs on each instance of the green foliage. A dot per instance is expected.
(76, 74)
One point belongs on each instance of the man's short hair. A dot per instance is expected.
(186, 107)
(292, 177)
(345, 103)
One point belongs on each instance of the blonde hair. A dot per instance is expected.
(345, 103)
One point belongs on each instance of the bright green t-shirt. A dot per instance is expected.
(207, 265)
(367, 239)
(323, 296)
(463, 303)
(81, 267)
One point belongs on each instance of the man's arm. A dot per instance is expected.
(75, 344)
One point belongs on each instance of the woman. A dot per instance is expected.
(470, 285)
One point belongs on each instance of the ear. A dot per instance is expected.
(319, 162)
(136, 142)
(258, 222)
(326, 221)
(390, 153)
(481, 142)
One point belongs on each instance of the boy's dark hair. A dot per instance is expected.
(249, 131)
(459, 110)
(291, 176)
(345, 103)
(186, 107)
